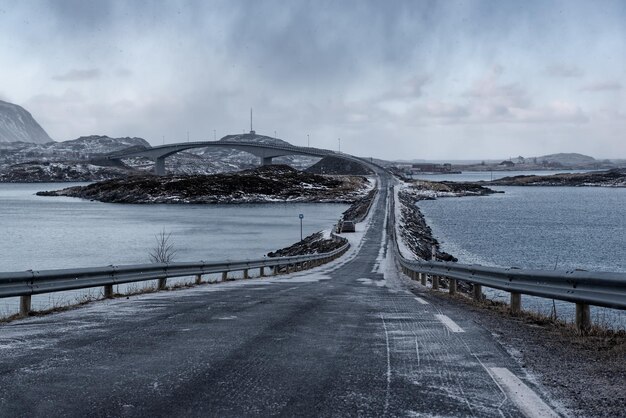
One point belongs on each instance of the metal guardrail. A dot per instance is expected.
(28, 283)
(584, 288)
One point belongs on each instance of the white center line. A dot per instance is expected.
(420, 300)
(450, 324)
(529, 403)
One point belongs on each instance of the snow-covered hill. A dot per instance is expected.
(17, 125)
(91, 148)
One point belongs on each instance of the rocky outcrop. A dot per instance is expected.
(611, 178)
(261, 185)
(336, 165)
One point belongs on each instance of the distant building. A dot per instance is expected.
(507, 163)
(431, 168)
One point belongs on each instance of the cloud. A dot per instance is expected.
(123, 72)
(441, 110)
(563, 71)
(360, 70)
(555, 112)
(78, 75)
(410, 89)
(602, 86)
(489, 90)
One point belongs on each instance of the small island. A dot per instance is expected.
(276, 183)
(609, 178)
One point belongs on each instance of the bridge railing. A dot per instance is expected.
(27, 283)
(584, 288)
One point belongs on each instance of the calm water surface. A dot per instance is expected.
(59, 232)
(536, 227)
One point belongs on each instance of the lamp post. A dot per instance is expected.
(308, 140)
(301, 216)
(339, 139)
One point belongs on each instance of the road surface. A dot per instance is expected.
(345, 339)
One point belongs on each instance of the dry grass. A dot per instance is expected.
(598, 337)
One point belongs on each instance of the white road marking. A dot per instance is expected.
(450, 324)
(420, 300)
(388, 366)
(521, 395)
(417, 350)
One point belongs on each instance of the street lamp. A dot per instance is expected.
(301, 216)
(339, 139)
(308, 140)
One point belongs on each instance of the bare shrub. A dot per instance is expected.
(164, 250)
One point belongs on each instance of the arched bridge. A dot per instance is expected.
(265, 151)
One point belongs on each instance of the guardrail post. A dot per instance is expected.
(108, 291)
(452, 286)
(224, 276)
(198, 278)
(516, 302)
(583, 317)
(478, 292)
(245, 274)
(25, 305)
(162, 284)
(435, 282)
(261, 271)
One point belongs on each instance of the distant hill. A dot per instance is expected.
(567, 159)
(90, 149)
(17, 125)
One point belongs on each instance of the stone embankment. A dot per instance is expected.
(611, 178)
(413, 228)
(260, 185)
(318, 243)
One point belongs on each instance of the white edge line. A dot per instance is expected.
(420, 300)
(450, 324)
(521, 395)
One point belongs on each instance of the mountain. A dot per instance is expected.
(17, 125)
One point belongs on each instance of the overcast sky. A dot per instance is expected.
(392, 79)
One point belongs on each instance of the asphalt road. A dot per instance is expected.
(347, 339)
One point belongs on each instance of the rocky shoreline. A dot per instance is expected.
(277, 183)
(610, 178)
(414, 230)
(315, 243)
